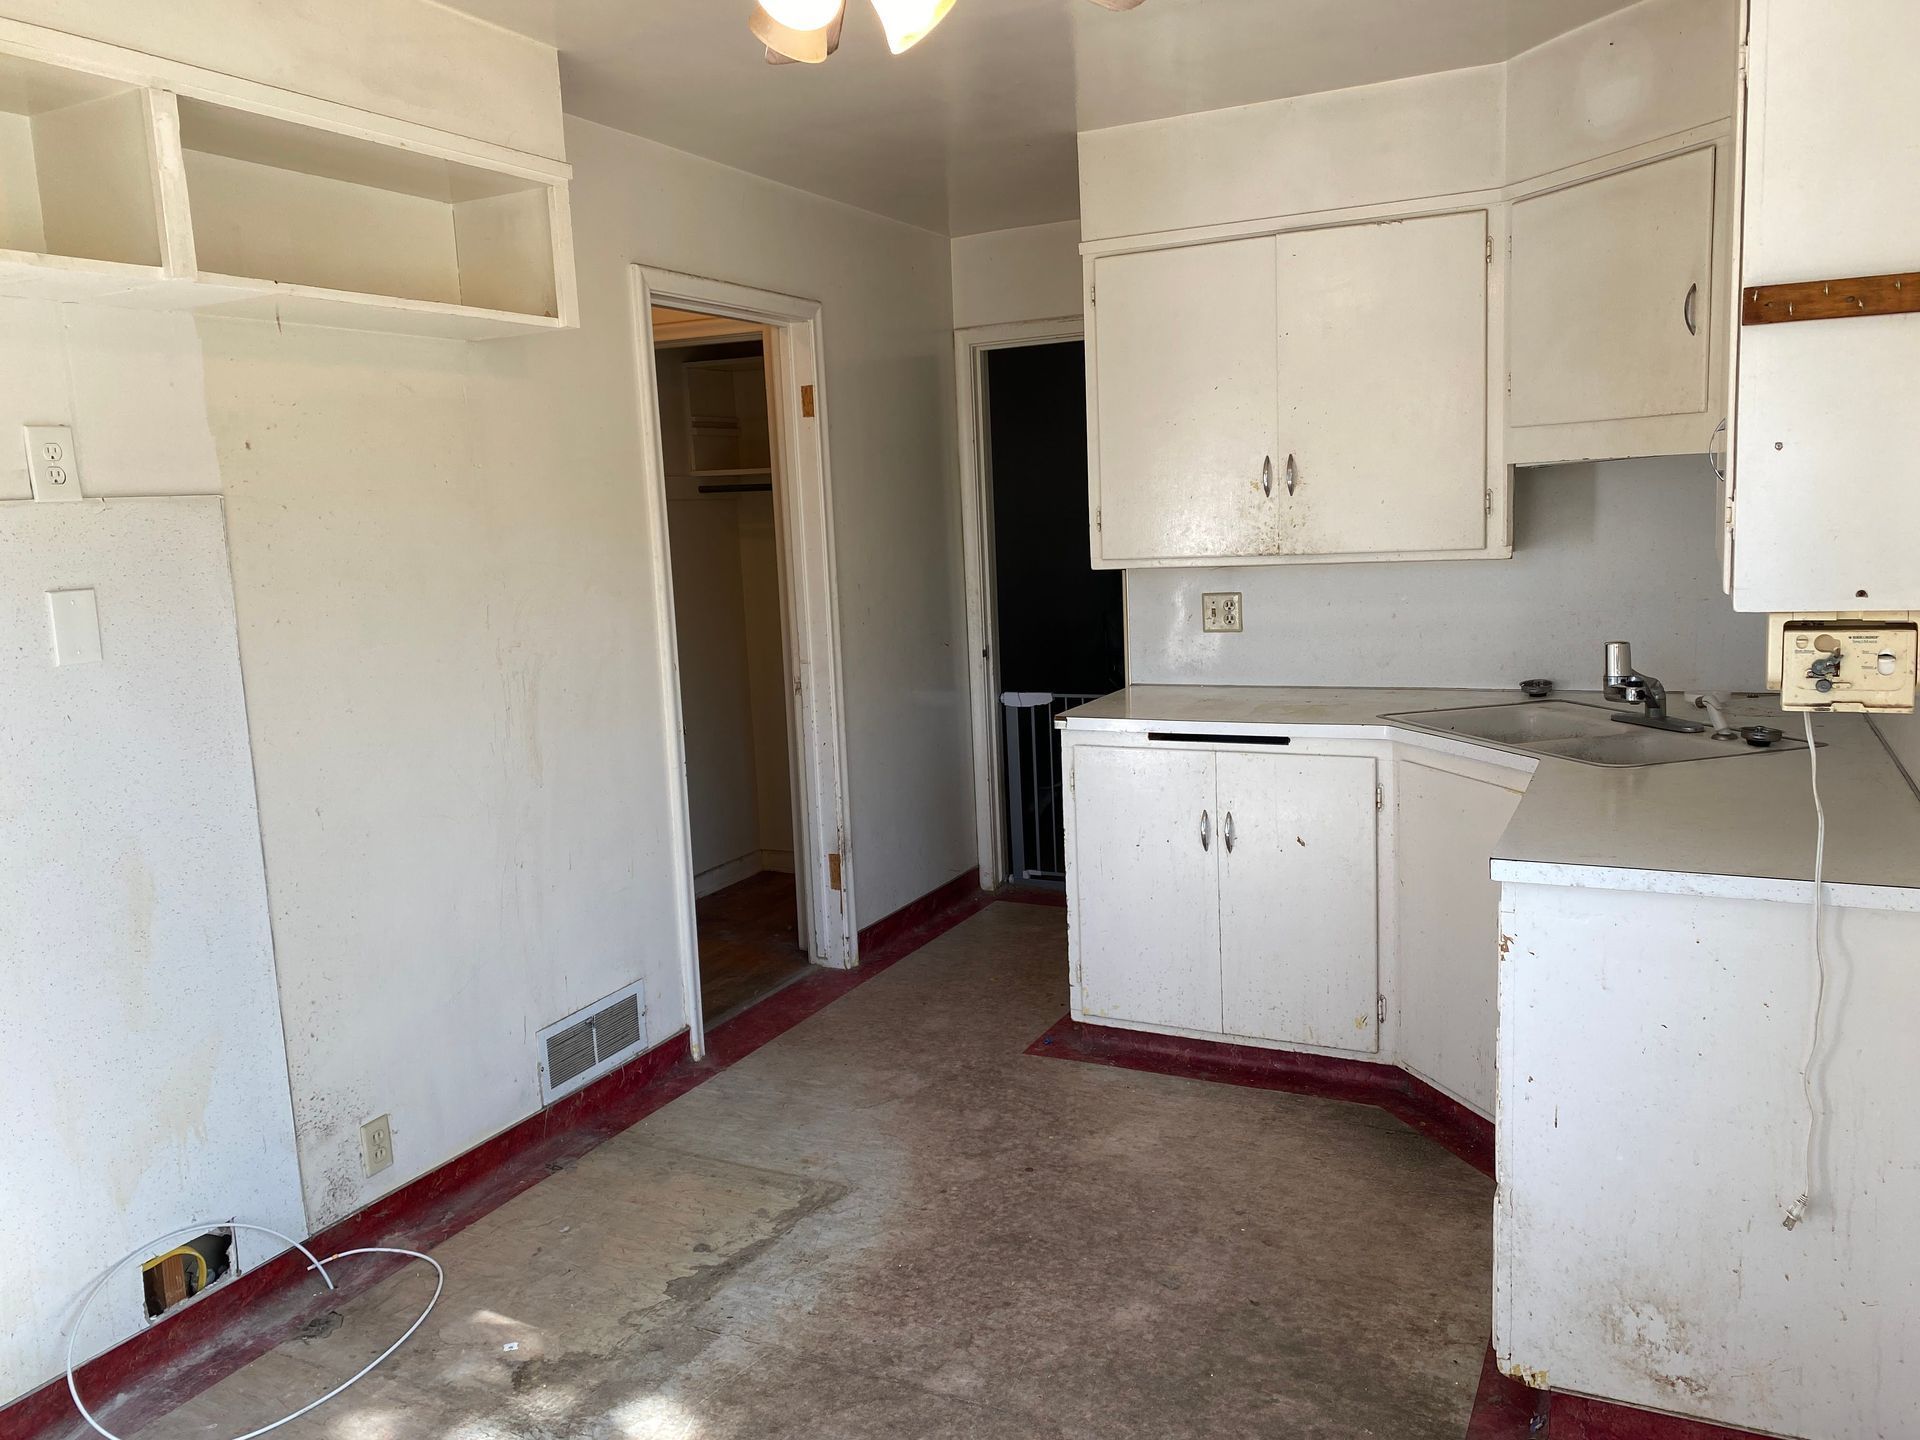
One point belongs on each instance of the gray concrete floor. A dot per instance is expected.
(893, 1222)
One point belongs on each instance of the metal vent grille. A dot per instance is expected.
(583, 1046)
(616, 1028)
(570, 1053)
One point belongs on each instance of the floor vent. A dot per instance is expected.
(584, 1046)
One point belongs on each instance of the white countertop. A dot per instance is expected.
(1740, 826)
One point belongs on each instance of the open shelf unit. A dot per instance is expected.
(127, 193)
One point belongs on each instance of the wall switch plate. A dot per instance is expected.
(51, 463)
(376, 1144)
(1220, 612)
(75, 616)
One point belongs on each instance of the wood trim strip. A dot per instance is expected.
(1831, 299)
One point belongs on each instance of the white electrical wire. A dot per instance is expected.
(1797, 1211)
(153, 1247)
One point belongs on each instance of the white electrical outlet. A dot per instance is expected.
(51, 463)
(1220, 612)
(376, 1144)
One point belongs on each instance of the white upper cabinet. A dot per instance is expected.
(1612, 313)
(1313, 395)
(1383, 387)
(1826, 502)
(1183, 395)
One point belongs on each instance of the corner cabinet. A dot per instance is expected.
(1318, 394)
(1225, 892)
(1618, 336)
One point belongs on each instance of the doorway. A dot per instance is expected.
(1049, 629)
(734, 456)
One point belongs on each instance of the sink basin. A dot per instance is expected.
(1573, 730)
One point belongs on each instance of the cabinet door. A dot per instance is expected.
(1447, 825)
(1610, 296)
(1183, 394)
(1145, 886)
(1383, 386)
(1299, 901)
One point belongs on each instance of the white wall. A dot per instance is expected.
(445, 624)
(1005, 276)
(146, 1081)
(1624, 550)
(453, 679)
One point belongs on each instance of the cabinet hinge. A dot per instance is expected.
(1096, 520)
(1379, 797)
(1380, 1008)
(1489, 249)
(1489, 494)
(1093, 295)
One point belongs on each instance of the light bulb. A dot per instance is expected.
(802, 14)
(908, 21)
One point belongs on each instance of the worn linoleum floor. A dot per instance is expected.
(893, 1222)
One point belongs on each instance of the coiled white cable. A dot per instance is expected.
(1797, 1211)
(153, 1247)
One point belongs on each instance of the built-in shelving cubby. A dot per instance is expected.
(79, 213)
(305, 219)
(113, 188)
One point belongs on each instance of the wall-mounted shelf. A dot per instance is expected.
(130, 194)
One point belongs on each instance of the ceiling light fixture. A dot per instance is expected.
(787, 43)
(803, 14)
(809, 30)
(908, 22)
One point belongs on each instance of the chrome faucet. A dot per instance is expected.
(1623, 682)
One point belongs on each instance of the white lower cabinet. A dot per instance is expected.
(1299, 899)
(1226, 892)
(1149, 916)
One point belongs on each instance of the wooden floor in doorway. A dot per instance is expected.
(749, 942)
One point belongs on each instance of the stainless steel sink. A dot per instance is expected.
(1573, 730)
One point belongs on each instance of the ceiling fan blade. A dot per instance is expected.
(787, 46)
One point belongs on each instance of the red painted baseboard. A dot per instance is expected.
(166, 1365)
(1505, 1409)
(1408, 1099)
(889, 930)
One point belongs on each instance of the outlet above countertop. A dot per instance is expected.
(1739, 827)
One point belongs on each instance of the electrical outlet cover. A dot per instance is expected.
(1220, 612)
(376, 1144)
(52, 464)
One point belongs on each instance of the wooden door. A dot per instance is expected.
(1181, 379)
(1610, 298)
(1382, 372)
(1299, 899)
(1144, 885)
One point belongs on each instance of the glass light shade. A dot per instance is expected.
(802, 14)
(908, 21)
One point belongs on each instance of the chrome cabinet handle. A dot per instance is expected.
(1206, 831)
(1293, 474)
(1226, 832)
(1266, 477)
(1687, 308)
